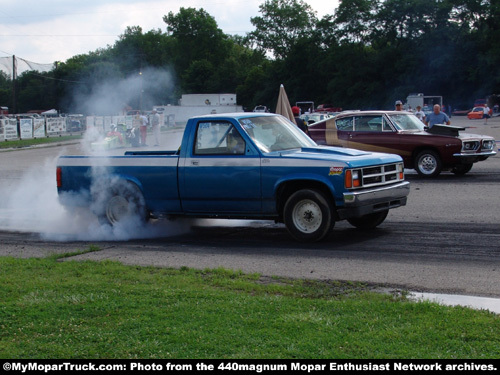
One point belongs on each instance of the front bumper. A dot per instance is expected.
(364, 202)
(477, 154)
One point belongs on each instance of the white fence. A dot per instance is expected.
(29, 128)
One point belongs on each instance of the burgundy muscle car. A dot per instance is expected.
(427, 150)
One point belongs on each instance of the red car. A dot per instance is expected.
(476, 113)
(327, 108)
(428, 151)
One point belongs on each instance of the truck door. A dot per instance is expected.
(221, 173)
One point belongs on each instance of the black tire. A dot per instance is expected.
(461, 169)
(308, 215)
(119, 202)
(369, 221)
(428, 164)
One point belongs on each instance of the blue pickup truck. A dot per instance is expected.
(240, 166)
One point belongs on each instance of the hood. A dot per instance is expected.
(349, 156)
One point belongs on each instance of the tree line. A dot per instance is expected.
(365, 55)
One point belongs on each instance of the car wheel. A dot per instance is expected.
(120, 202)
(428, 163)
(369, 221)
(461, 169)
(308, 215)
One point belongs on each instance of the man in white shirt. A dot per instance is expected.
(143, 129)
(486, 114)
(420, 114)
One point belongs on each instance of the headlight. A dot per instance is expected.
(401, 171)
(488, 144)
(470, 145)
(352, 178)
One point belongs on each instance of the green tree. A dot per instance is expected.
(355, 20)
(196, 37)
(282, 24)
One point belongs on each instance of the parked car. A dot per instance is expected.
(311, 118)
(428, 151)
(476, 113)
(327, 108)
(261, 108)
(460, 112)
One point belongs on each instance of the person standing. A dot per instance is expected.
(486, 114)
(399, 105)
(437, 117)
(143, 129)
(155, 122)
(420, 114)
(301, 124)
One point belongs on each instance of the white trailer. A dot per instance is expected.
(414, 100)
(208, 100)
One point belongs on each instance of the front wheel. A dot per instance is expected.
(428, 163)
(369, 221)
(308, 215)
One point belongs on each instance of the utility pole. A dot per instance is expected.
(14, 84)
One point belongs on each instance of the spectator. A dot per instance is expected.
(437, 117)
(486, 114)
(399, 105)
(143, 127)
(155, 122)
(300, 122)
(420, 114)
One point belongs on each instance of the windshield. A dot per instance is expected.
(275, 133)
(407, 122)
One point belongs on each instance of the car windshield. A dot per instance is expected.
(275, 133)
(407, 122)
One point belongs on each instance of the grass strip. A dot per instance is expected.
(66, 309)
(20, 143)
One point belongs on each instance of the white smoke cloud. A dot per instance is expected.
(32, 205)
(141, 89)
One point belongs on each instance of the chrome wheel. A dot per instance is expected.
(428, 164)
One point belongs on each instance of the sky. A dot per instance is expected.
(46, 31)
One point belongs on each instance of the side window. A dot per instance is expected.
(386, 126)
(345, 124)
(218, 138)
(368, 123)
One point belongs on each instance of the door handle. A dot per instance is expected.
(195, 162)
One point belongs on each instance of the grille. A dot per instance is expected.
(380, 175)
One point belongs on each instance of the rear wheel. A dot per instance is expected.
(120, 202)
(369, 221)
(428, 163)
(308, 215)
